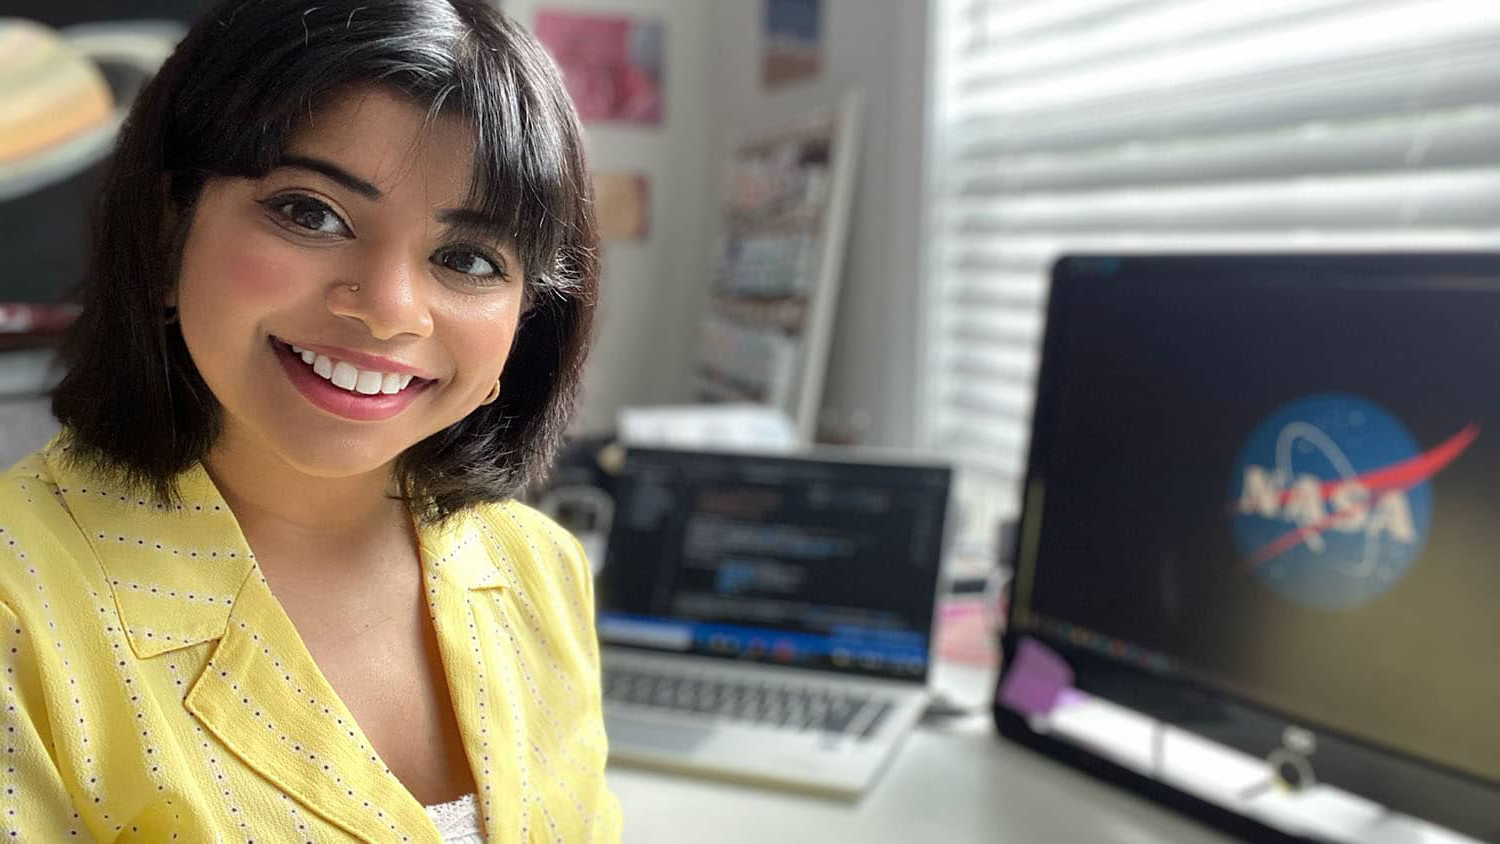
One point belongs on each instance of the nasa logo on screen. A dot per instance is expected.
(1331, 499)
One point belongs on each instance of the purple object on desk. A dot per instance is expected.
(1036, 680)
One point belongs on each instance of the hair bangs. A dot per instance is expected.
(525, 160)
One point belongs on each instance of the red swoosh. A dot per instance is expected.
(1404, 475)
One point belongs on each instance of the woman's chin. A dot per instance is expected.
(334, 460)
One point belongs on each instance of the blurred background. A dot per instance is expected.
(834, 221)
(980, 141)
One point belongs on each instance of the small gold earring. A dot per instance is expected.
(494, 394)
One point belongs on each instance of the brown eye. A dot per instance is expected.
(308, 213)
(468, 263)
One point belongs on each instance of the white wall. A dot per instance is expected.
(654, 292)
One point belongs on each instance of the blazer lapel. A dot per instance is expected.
(262, 694)
(173, 571)
(462, 583)
(264, 698)
(183, 574)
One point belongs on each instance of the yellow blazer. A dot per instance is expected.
(155, 690)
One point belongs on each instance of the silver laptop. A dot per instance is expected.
(768, 619)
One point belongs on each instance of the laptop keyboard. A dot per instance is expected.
(787, 706)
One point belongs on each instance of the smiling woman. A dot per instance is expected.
(337, 307)
(356, 246)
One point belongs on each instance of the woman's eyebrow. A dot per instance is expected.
(468, 219)
(459, 218)
(332, 171)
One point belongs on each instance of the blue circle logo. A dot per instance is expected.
(1331, 500)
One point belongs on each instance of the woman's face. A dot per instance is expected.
(359, 251)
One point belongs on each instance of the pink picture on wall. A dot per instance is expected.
(612, 64)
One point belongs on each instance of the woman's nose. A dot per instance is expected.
(388, 295)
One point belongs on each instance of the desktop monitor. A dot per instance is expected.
(1263, 504)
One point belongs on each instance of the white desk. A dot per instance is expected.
(958, 783)
(961, 783)
(959, 786)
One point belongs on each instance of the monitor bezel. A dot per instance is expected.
(1395, 779)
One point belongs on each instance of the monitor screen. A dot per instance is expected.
(1278, 479)
(810, 563)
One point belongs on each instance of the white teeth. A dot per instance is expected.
(368, 383)
(344, 375)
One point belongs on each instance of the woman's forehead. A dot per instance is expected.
(390, 141)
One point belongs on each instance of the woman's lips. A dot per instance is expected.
(362, 360)
(340, 402)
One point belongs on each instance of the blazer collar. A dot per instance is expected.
(455, 551)
(175, 572)
(263, 696)
(184, 574)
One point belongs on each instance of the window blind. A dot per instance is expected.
(1064, 126)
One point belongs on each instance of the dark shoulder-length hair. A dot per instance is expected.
(224, 104)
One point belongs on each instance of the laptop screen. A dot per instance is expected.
(1278, 478)
(800, 562)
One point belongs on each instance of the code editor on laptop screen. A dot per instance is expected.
(792, 561)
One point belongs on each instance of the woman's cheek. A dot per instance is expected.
(233, 255)
(489, 329)
(260, 268)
